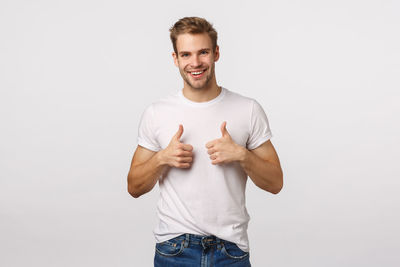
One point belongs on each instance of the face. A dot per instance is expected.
(196, 59)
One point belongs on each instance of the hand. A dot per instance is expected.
(224, 149)
(177, 154)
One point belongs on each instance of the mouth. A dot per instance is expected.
(197, 73)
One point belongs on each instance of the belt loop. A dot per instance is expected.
(186, 244)
(219, 243)
(202, 242)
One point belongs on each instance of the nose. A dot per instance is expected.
(195, 61)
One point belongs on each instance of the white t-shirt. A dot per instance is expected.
(204, 199)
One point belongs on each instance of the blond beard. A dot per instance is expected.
(206, 83)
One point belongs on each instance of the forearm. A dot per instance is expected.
(264, 174)
(143, 177)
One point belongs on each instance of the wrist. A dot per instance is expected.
(160, 158)
(242, 154)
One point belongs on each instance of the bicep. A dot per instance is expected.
(267, 152)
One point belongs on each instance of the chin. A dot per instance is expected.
(199, 86)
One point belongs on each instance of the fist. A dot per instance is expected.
(224, 150)
(178, 154)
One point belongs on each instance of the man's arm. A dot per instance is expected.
(263, 167)
(260, 164)
(145, 169)
(148, 165)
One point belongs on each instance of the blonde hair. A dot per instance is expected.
(193, 25)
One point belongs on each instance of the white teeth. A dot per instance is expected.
(197, 73)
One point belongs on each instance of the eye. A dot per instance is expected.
(204, 52)
(184, 55)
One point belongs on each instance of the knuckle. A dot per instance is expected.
(184, 165)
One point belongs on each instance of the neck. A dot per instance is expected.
(204, 94)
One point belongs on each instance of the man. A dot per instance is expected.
(200, 143)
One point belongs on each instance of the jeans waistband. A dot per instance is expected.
(205, 241)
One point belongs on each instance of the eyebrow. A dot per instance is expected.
(187, 52)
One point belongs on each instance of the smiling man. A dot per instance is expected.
(201, 144)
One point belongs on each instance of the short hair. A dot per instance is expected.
(193, 25)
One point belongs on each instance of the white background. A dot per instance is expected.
(75, 77)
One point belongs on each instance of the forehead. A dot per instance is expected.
(193, 42)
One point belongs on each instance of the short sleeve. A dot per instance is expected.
(146, 132)
(260, 131)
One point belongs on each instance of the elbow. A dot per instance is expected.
(132, 189)
(276, 190)
(134, 193)
(279, 185)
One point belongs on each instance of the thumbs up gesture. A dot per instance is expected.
(177, 154)
(224, 149)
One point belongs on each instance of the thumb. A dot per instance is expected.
(178, 134)
(224, 131)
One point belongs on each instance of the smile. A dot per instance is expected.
(197, 74)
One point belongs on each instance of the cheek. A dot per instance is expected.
(183, 66)
(182, 69)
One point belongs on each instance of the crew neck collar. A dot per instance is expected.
(202, 104)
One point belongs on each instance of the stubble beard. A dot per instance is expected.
(185, 77)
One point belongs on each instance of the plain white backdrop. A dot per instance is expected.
(75, 77)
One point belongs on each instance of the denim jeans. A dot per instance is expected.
(202, 251)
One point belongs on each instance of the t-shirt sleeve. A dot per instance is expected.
(146, 132)
(260, 131)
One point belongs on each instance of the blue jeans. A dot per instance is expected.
(202, 251)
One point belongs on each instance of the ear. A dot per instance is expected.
(216, 54)
(175, 56)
